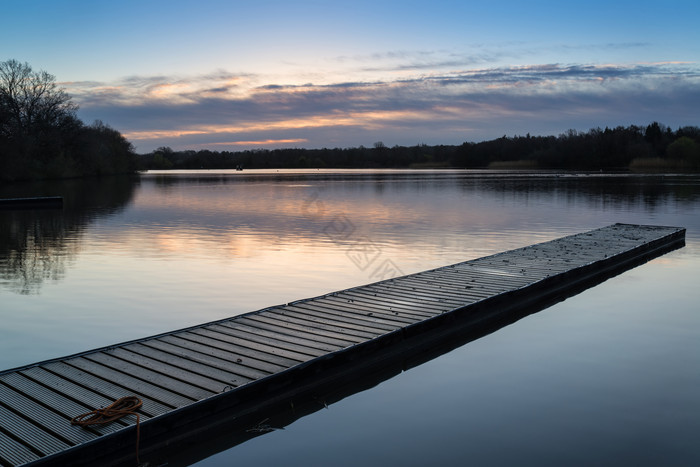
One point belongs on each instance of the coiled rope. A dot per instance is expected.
(120, 408)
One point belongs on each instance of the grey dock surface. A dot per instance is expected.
(187, 379)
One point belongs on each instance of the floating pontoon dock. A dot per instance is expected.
(40, 202)
(187, 379)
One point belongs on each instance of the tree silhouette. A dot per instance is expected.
(30, 101)
(41, 137)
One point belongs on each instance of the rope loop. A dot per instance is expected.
(120, 408)
(116, 410)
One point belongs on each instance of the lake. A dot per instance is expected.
(608, 377)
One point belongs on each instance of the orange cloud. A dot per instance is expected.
(259, 143)
(364, 119)
(168, 90)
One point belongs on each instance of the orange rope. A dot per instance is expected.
(120, 408)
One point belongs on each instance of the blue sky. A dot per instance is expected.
(232, 75)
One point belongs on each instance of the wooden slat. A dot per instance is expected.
(255, 364)
(274, 321)
(494, 275)
(190, 362)
(459, 287)
(246, 367)
(466, 289)
(400, 301)
(346, 316)
(283, 328)
(272, 341)
(498, 273)
(397, 290)
(56, 401)
(186, 375)
(479, 286)
(159, 378)
(305, 323)
(137, 386)
(108, 388)
(14, 453)
(33, 435)
(367, 304)
(463, 294)
(346, 322)
(393, 303)
(47, 419)
(390, 306)
(284, 335)
(483, 283)
(358, 311)
(367, 310)
(250, 342)
(69, 389)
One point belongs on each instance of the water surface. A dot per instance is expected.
(608, 377)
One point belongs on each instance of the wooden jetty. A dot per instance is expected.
(37, 202)
(194, 380)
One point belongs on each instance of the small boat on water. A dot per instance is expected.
(38, 202)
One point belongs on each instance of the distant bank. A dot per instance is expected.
(652, 148)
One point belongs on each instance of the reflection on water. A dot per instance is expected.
(228, 215)
(238, 215)
(38, 245)
(597, 376)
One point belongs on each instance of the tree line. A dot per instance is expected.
(41, 136)
(650, 147)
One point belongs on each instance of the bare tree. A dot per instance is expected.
(30, 101)
(42, 137)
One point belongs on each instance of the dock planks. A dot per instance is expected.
(187, 375)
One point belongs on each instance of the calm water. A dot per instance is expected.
(608, 377)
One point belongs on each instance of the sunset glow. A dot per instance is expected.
(438, 73)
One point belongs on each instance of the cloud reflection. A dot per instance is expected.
(245, 221)
(244, 216)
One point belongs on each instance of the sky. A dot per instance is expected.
(237, 75)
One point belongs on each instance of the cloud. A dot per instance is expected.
(400, 61)
(607, 46)
(139, 90)
(433, 107)
(266, 142)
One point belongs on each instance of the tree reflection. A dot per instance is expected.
(37, 246)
